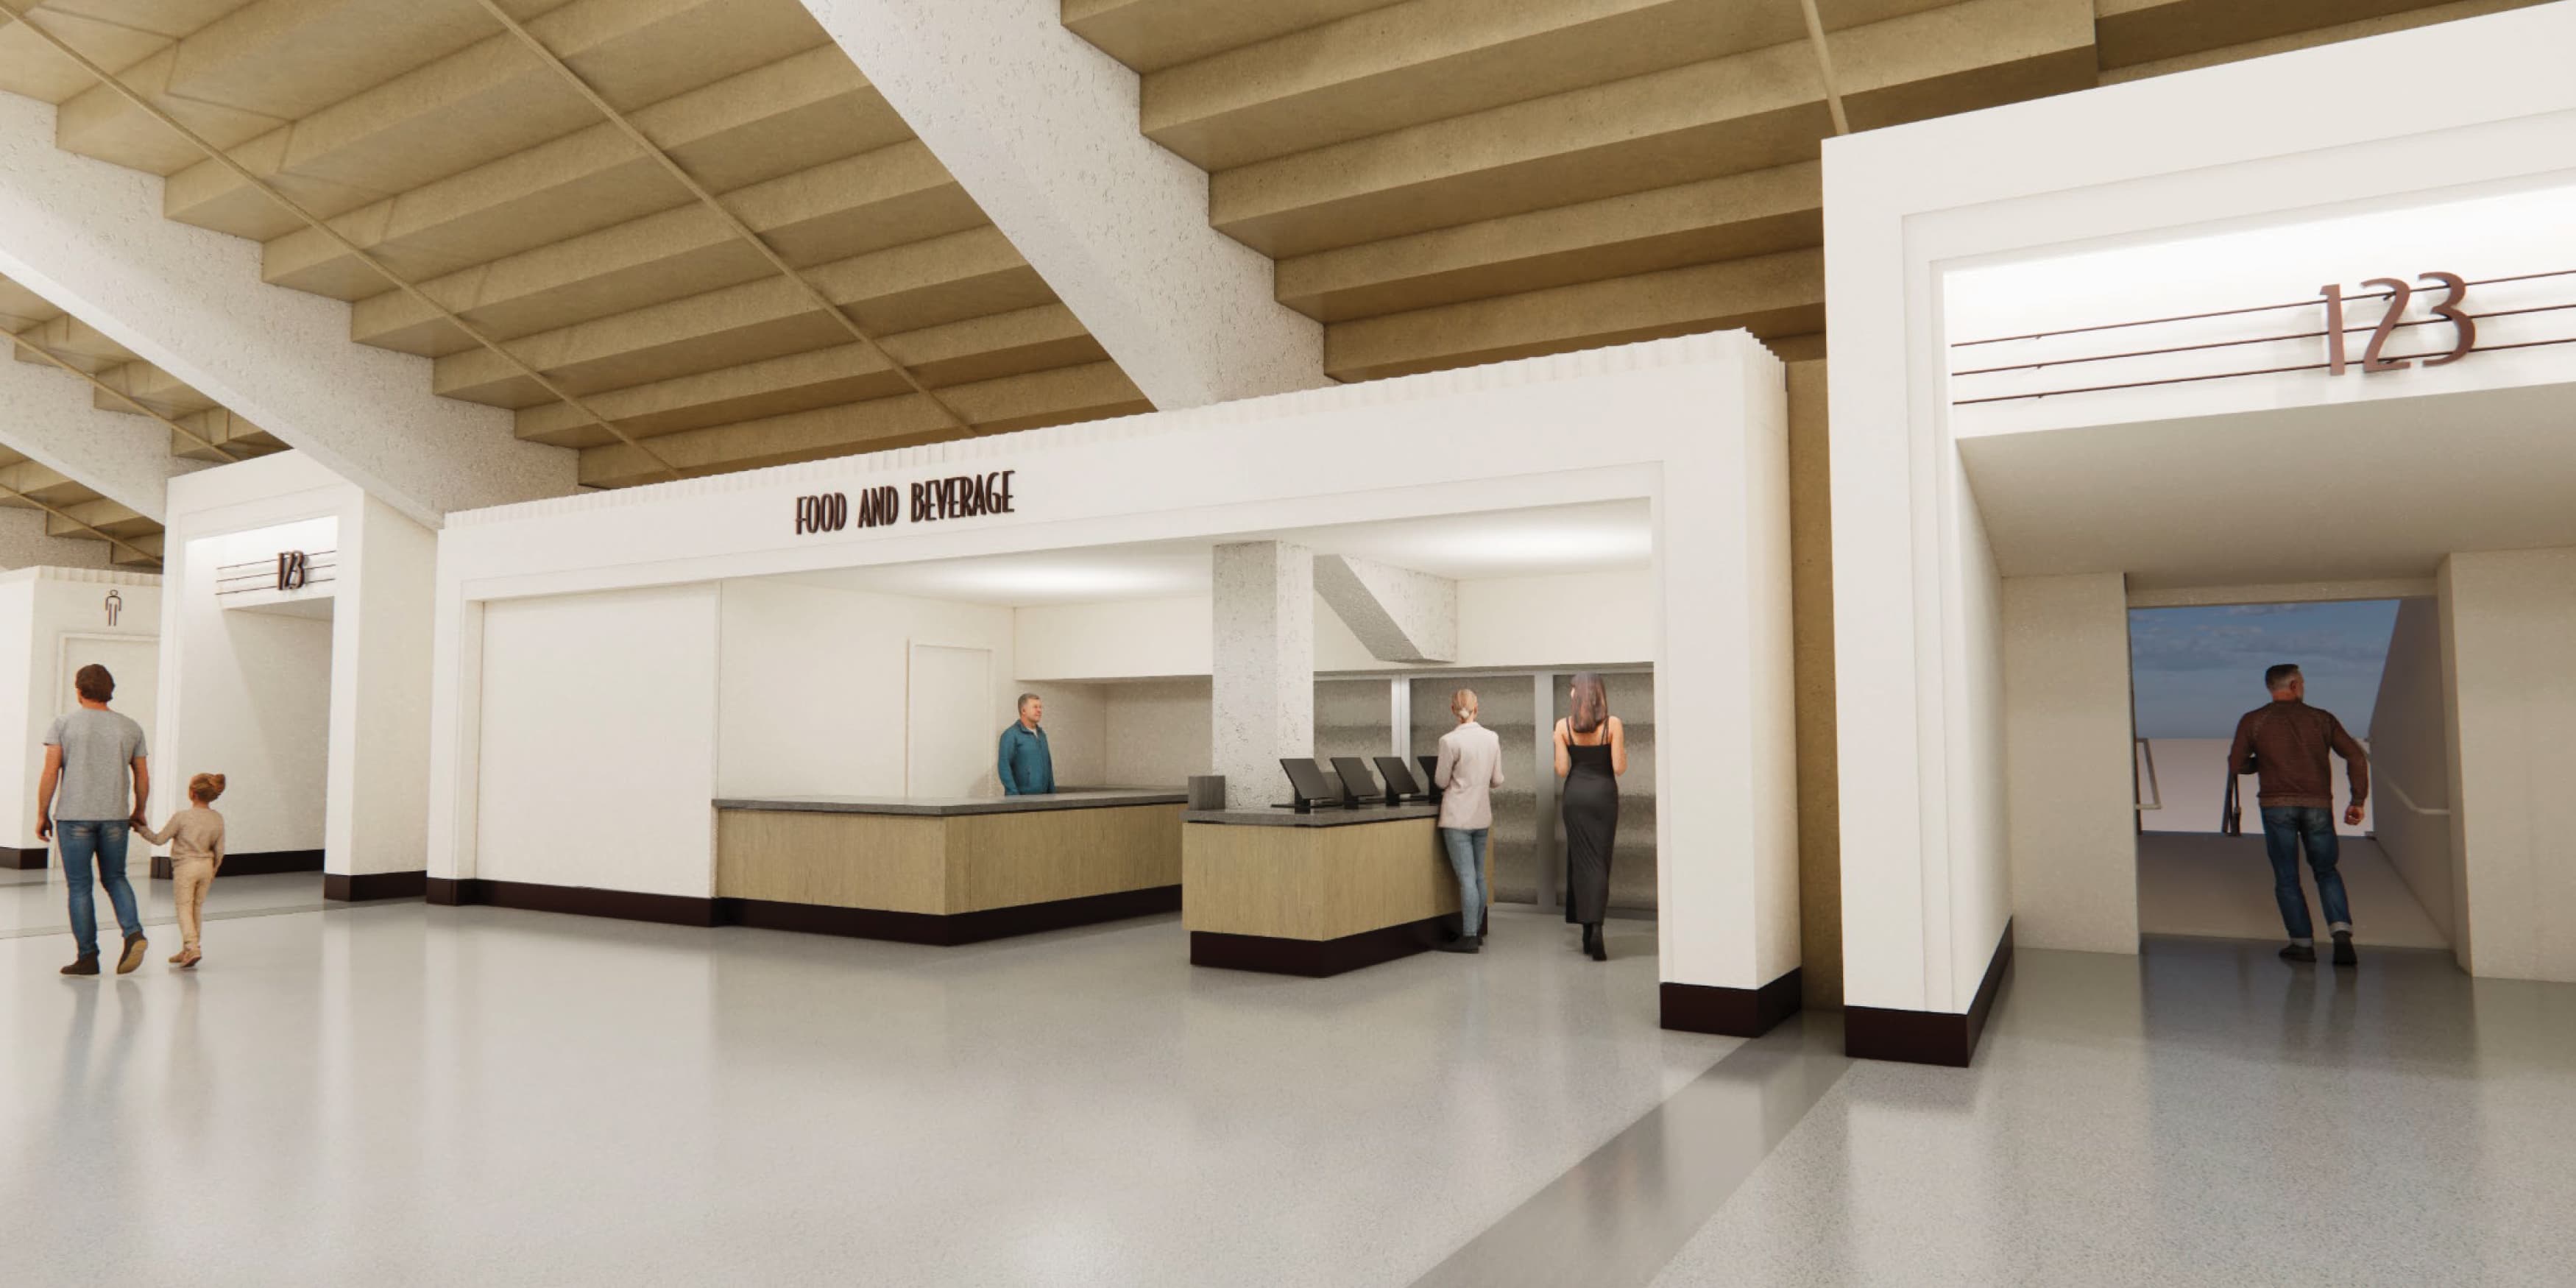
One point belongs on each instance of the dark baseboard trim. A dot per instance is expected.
(23, 859)
(952, 929)
(257, 863)
(354, 887)
(1734, 1012)
(1318, 958)
(1928, 1037)
(579, 901)
(861, 923)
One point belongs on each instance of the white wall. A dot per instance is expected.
(2410, 760)
(599, 748)
(1118, 640)
(1509, 623)
(1077, 729)
(378, 811)
(813, 684)
(2066, 715)
(43, 613)
(2510, 637)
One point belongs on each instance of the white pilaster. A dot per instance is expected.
(1264, 705)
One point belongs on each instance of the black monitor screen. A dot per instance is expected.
(1356, 776)
(1307, 780)
(1398, 776)
(1430, 773)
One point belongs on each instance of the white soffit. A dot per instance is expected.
(1604, 536)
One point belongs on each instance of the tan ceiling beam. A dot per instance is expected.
(1060, 396)
(1770, 295)
(1149, 35)
(891, 197)
(774, 121)
(2142, 31)
(1724, 116)
(987, 348)
(1825, 65)
(16, 9)
(2119, 47)
(680, 174)
(424, 122)
(1962, 57)
(1755, 213)
(946, 279)
(1430, 60)
(22, 345)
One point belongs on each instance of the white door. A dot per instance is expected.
(136, 664)
(952, 738)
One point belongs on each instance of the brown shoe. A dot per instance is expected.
(86, 965)
(189, 958)
(134, 946)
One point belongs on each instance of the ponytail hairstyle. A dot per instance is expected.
(205, 789)
(1591, 703)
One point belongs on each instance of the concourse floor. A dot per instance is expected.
(35, 902)
(399, 1094)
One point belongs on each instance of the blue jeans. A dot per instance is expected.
(1466, 846)
(2284, 828)
(99, 844)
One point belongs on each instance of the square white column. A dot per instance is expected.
(1264, 701)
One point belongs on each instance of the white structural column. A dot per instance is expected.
(89, 237)
(1264, 689)
(1398, 614)
(1041, 129)
(52, 421)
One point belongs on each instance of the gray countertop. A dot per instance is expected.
(1323, 816)
(946, 806)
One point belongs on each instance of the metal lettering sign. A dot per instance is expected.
(2398, 293)
(291, 568)
(963, 496)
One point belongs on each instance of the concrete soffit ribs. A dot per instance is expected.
(1398, 614)
(1040, 128)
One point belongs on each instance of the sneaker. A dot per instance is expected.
(1462, 944)
(134, 946)
(86, 965)
(2344, 955)
(2299, 953)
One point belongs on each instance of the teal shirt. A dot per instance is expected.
(1026, 767)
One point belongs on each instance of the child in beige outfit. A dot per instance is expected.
(195, 836)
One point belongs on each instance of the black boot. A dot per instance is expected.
(2343, 949)
(2299, 953)
(1592, 942)
(85, 964)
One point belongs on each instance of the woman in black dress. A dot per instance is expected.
(1591, 753)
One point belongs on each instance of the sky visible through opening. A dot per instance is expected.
(2198, 669)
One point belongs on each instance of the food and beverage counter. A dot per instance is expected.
(1315, 893)
(947, 870)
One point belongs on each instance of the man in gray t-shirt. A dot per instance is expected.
(91, 755)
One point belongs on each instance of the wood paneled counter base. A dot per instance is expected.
(925, 872)
(1316, 900)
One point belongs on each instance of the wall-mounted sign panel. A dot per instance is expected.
(2465, 295)
(272, 569)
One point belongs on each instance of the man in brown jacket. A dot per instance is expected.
(2286, 743)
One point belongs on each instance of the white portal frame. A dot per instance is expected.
(1697, 426)
(1925, 883)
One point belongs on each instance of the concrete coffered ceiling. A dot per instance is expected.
(675, 236)
(1450, 182)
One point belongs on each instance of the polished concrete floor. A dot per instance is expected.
(397, 1094)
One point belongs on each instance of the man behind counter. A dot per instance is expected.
(1027, 768)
